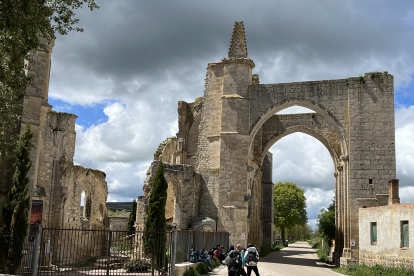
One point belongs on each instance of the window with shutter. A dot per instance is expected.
(373, 233)
(404, 234)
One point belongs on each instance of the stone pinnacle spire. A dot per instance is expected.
(238, 46)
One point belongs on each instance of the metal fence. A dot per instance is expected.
(77, 251)
(11, 261)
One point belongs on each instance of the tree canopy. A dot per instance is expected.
(289, 206)
(22, 24)
(326, 223)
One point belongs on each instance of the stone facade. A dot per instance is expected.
(54, 179)
(388, 250)
(235, 125)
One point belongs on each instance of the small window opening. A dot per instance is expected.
(86, 203)
(370, 181)
(373, 233)
(404, 234)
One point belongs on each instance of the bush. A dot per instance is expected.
(278, 247)
(322, 253)
(215, 263)
(191, 272)
(202, 268)
(137, 265)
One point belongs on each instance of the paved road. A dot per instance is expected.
(296, 260)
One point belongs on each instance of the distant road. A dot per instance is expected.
(299, 259)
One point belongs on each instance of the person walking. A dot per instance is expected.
(233, 261)
(242, 272)
(251, 256)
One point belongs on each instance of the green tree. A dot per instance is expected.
(15, 211)
(326, 223)
(132, 216)
(289, 206)
(22, 24)
(154, 243)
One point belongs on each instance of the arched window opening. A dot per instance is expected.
(82, 204)
(101, 213)
(86, 203)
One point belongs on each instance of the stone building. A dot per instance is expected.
(56, 184)
(385, 232)
(218, 166)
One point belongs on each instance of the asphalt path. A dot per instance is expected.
(298, 259)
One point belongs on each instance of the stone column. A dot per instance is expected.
(338, 234)
(347, 213)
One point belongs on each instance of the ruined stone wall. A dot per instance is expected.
(56, 144)
(51, 175)
(76, 179)
(185, 183)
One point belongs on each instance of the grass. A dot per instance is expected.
(362, 270)
(266, 251)
(321, 252)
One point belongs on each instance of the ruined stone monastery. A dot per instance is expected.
(56, 184)
(218, 166)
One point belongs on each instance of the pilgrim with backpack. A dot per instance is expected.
(234, 261)
(251, 257)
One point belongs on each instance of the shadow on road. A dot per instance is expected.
(292, 255)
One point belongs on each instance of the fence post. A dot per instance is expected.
(108, 259)
(190, 242)
(35, 252)
(204, 239)
(214, 238)
(173, 250)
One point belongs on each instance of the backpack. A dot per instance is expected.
(235, 261)
(193, 256)
(251, 257)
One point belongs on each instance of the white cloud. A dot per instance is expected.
(404, 139)
(295, 110)
(302, 159)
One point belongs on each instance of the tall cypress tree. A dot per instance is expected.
(15, 211)
(154, 243)
(132, 216)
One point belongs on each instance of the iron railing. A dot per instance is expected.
(79, 251)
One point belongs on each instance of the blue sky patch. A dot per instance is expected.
(404, 96)
(87, 115)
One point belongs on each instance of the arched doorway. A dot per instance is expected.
(172, 206)
(274, 127)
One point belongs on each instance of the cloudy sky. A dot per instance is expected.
(124, 75)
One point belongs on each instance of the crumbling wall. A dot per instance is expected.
(184, 182)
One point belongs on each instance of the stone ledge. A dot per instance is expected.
(181, 268)
(233, 96)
